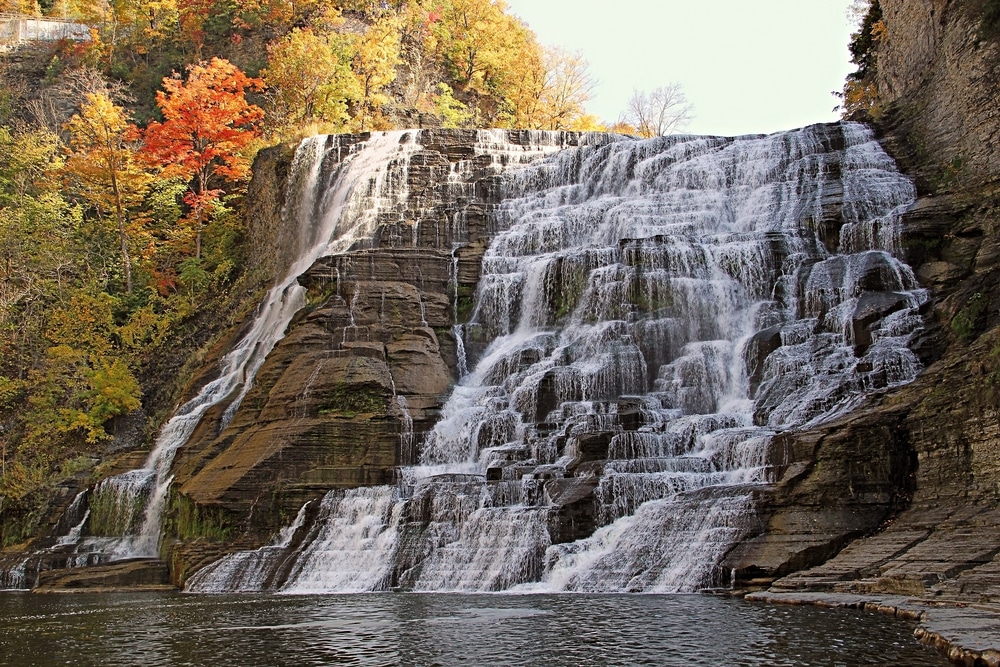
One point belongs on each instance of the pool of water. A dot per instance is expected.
(436, 629)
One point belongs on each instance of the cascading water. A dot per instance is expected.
(650, 314)
(336, 193)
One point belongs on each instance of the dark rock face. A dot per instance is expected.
(938, 69)
(124, 575)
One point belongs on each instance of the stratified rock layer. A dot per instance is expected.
(364, 369)
(938, 67)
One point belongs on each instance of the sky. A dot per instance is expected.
(747, 66)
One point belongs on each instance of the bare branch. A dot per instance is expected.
(664, 110)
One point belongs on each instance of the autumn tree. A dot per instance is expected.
(309, 76)
(36, 245)
(664, 110)
(47, 369)
(27, 7)
(568, 87)
(860, 92)
(103, 168)
(375, 63)
(487, 52)
(86, 11)
(207, 125)
(192, 18)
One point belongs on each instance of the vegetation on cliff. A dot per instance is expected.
(860, 95)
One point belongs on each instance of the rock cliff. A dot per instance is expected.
(345, 397)
(933, 445)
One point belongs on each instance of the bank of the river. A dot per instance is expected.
(967, 633)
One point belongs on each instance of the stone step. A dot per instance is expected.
(131, 575)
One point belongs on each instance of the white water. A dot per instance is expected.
(253, 568)
(683, 298)
(331, 210)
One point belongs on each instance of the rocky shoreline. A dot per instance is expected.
(967, 633)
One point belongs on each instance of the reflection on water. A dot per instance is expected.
(414, 629)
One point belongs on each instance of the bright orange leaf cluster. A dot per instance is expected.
(208, 123)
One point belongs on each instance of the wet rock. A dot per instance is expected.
(871, 308)
(347, 395)
(124, 575)
(761, 344)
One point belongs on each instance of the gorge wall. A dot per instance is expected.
(938, 74)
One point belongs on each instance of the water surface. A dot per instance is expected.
(433, 629)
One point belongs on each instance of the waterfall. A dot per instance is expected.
(337, 190)
(252, 568)
(650, 315)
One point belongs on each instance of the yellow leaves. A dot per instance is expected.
(452, 112)
(378, 54)
(11, 392)
(374, 64)
(28, 162)
(861, 96)
(86, 322)
(879, 31)
(320, 74)
(113, 391)
(83, 380)
(308, 77)
(335, 74)
(102, 164)
(586, 123)
(486, 47)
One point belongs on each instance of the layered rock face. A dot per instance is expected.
(652, 323)
(938, 71)
(345, 396)
(938, 68)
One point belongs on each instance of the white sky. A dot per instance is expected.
(747, 66)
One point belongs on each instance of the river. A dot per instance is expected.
(442, 629)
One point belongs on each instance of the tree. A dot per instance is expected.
(861, 94)
(207, 124)
(27, 7)
(37, 255)
(308, 76)
(664, 110)
(103, 168)
(452, 112)
(568, 87)
(375, 63)
(83, 381)
(490, 53)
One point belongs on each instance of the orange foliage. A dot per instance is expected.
(207, 124)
